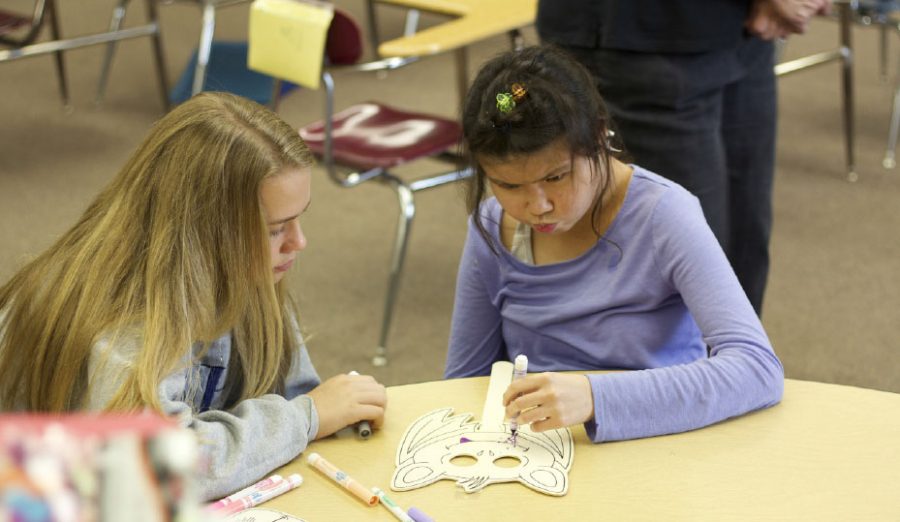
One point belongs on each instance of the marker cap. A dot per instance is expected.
(417, 515)
(521, 363)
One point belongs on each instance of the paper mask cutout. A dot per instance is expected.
(440, 445)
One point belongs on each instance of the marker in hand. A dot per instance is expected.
(363, 428)
(519, 370)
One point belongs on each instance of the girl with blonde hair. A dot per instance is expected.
(167, 295)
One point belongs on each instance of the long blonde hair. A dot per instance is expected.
(176, 246)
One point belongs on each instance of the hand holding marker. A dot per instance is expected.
(363, 428)
(519, 370)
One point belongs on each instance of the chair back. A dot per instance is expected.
(343, 45)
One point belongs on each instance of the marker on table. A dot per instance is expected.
(262, 485)
(519, 371)
(256, 498)
(315, 460)
(363, 428)
(392, 506)
(418, 515)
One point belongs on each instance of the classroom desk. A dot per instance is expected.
(827, 452)
(472, 21)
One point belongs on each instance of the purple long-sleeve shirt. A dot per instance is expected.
(650, 296)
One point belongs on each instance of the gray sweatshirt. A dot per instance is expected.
(238, 445)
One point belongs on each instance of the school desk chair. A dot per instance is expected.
(20, 30)
(366, 141)
(885, 15)
(45, 11)
(845, 12)
(203, 49)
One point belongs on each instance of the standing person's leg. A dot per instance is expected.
(748, 131)
(668, 110)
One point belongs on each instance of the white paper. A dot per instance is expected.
(440, 445)
(262, 515)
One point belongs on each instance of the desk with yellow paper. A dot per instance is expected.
(287, 39)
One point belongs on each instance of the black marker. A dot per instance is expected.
(363, 428)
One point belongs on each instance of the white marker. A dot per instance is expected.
(519, 371)
(391, 506)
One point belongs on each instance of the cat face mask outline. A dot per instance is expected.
(433, 445)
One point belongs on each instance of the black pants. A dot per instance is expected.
(706, 121)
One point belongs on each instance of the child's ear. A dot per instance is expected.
(414, 475)
(545, 479)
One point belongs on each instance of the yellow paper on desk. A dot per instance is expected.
(287, 39)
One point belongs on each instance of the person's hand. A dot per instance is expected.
(765, 22)
(549, 401)
(796, 14)
(347, 399)
(771, 19)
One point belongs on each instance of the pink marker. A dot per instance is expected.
(262, 485)
(256, 498)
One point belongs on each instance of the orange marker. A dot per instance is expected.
(328, 469)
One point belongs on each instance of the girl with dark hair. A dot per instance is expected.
(583, 262)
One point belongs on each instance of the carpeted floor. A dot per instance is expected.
(833, 303)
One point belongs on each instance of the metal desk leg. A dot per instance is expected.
(153, 18)
(890, 160)
(516, 40)
(846, 13)
(53, 14)
(206, 37)
(114, 25)
(374, 39)
(462, 75)
(401, 241)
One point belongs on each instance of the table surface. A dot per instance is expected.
(827, 452)
(474, 20)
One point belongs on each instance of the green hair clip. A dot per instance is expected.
(505, 102)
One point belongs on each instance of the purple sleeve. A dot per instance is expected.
(742, 373)
(476, 338)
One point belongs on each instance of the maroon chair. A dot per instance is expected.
(19, 30)
(364, 142)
